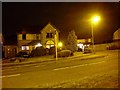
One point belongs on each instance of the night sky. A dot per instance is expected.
(65, 16)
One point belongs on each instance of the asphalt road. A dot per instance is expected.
(54, 74)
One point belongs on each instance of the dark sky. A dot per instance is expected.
(65, 16)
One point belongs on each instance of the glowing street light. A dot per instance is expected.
(95, 19)
(60, 44)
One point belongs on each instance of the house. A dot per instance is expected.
(116, 38)
(8, 50)
(27, 41)
(1, 42)
(82, 43)
(1, 38)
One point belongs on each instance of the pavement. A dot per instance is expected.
(50, 58)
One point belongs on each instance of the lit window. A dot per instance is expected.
(25, 47)
(80, 45)
(48, 46)
(52, 45)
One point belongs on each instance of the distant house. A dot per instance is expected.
(116, 38)
(27, 41)
(8, 50)
(82, 43)
(1, 38)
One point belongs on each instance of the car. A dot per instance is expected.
(79, 49)
(23, 54)
(87, 50)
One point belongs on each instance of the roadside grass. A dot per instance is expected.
(104, 80)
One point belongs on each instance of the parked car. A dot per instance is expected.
(87, 50)
(79, 49)
(23, 54)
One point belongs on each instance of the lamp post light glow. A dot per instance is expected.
(94, 20)
(60, 44)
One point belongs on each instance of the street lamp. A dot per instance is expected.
(56, 42)
(60, 45)
(95, 19)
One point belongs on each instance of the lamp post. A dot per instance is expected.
(95, 19)
(56, 42)
(92, 39)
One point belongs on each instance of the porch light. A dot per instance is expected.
(38, 45)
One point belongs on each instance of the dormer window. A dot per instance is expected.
(49, 35)
(24, 37)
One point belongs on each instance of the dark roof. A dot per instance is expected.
(54, 26)
(30, 29)
(33, 29)
(34, 42)
(9, 43)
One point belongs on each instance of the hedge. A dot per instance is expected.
(39, 51)
(64, 53)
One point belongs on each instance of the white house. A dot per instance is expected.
(116, 38)
(45, 37)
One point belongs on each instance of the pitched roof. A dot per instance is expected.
(54, 26)
(34, 42)
(34, 29)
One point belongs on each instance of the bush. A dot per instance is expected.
(52, 50)
(64, 53)
(39, 51)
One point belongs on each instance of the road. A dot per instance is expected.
(64, 73)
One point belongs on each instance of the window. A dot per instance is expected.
(25, 47)
(49, 35)
(37, 37)
(24, 37)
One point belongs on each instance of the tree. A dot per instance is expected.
(72, 41)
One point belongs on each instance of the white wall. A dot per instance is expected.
(102, 47)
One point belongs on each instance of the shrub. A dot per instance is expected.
(52, 50)
(39, 51)
(64, 53)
